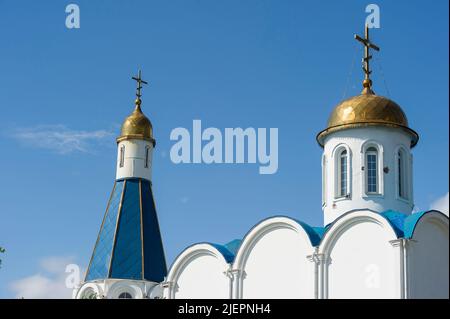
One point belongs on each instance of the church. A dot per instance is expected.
(371, 244)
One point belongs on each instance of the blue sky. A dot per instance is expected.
(283, 64)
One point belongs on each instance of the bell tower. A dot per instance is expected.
(367, 160)
(128, 258)
(136, 143)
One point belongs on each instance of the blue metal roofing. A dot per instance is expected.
(228, 255)
(129, 244)
(233, 246)
(314, 233)
(404, 225)
(396, 219)
(410, 223)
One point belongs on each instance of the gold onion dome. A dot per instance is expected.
(136, 126)
(367, 109)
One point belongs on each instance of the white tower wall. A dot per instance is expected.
(356, 141)
(135, 162)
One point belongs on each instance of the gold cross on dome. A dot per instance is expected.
(366, 60)
(139, 81)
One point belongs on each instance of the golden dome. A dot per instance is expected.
(367, 109)
(136, 126)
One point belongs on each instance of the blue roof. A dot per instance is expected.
(129, 244)
(314, 233)
(396, 219)
(233, 246)
(411, 222)
(228, 255)
(403, 224)
(320, 231)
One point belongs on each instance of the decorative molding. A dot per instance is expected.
(320, 258)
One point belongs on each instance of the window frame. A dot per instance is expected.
(337, 154)
(342, 177)
(125, 293)
(146, 156)
(403, 174)
(122, 156)
(380, 172)
(324, 180)
(368, 153)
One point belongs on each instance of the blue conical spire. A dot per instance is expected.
(129, 244)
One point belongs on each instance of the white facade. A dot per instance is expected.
(134, 159)
(118, 289)
(200, 272)
(361, 255)
(272, 262)
(371, 245)
(367, 249)
(427, 255)
(354, 145)
(360, 260)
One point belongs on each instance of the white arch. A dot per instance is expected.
(368, 143)
(186, 257)
(263, 228)
(337, 148)
(428, 256)
(124, 286)
(257, 269)
(360, 258)
(90, 286)
(347, 221)
(435, 217)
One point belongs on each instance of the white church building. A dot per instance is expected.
(371, 244)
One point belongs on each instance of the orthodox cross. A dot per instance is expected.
(139, 81)
(366, 60)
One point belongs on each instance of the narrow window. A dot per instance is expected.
(125, 295)
(401, 169)
(372, 170)
(122, 156)
(343, 173)
(147, 155)
(324, 180)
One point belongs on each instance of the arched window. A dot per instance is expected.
(147, 156)
(372, 182)
(122, 156)
(125, 295)
(343, 174)
(402, 185)
(324, 180)
(89, 293)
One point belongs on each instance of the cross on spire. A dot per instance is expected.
(367, 83)
(139, 81)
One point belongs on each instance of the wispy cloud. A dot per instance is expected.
(60, 139)
(48, 283)
(184, 199)
(441, 204)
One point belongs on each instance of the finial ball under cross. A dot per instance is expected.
(139, 81)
